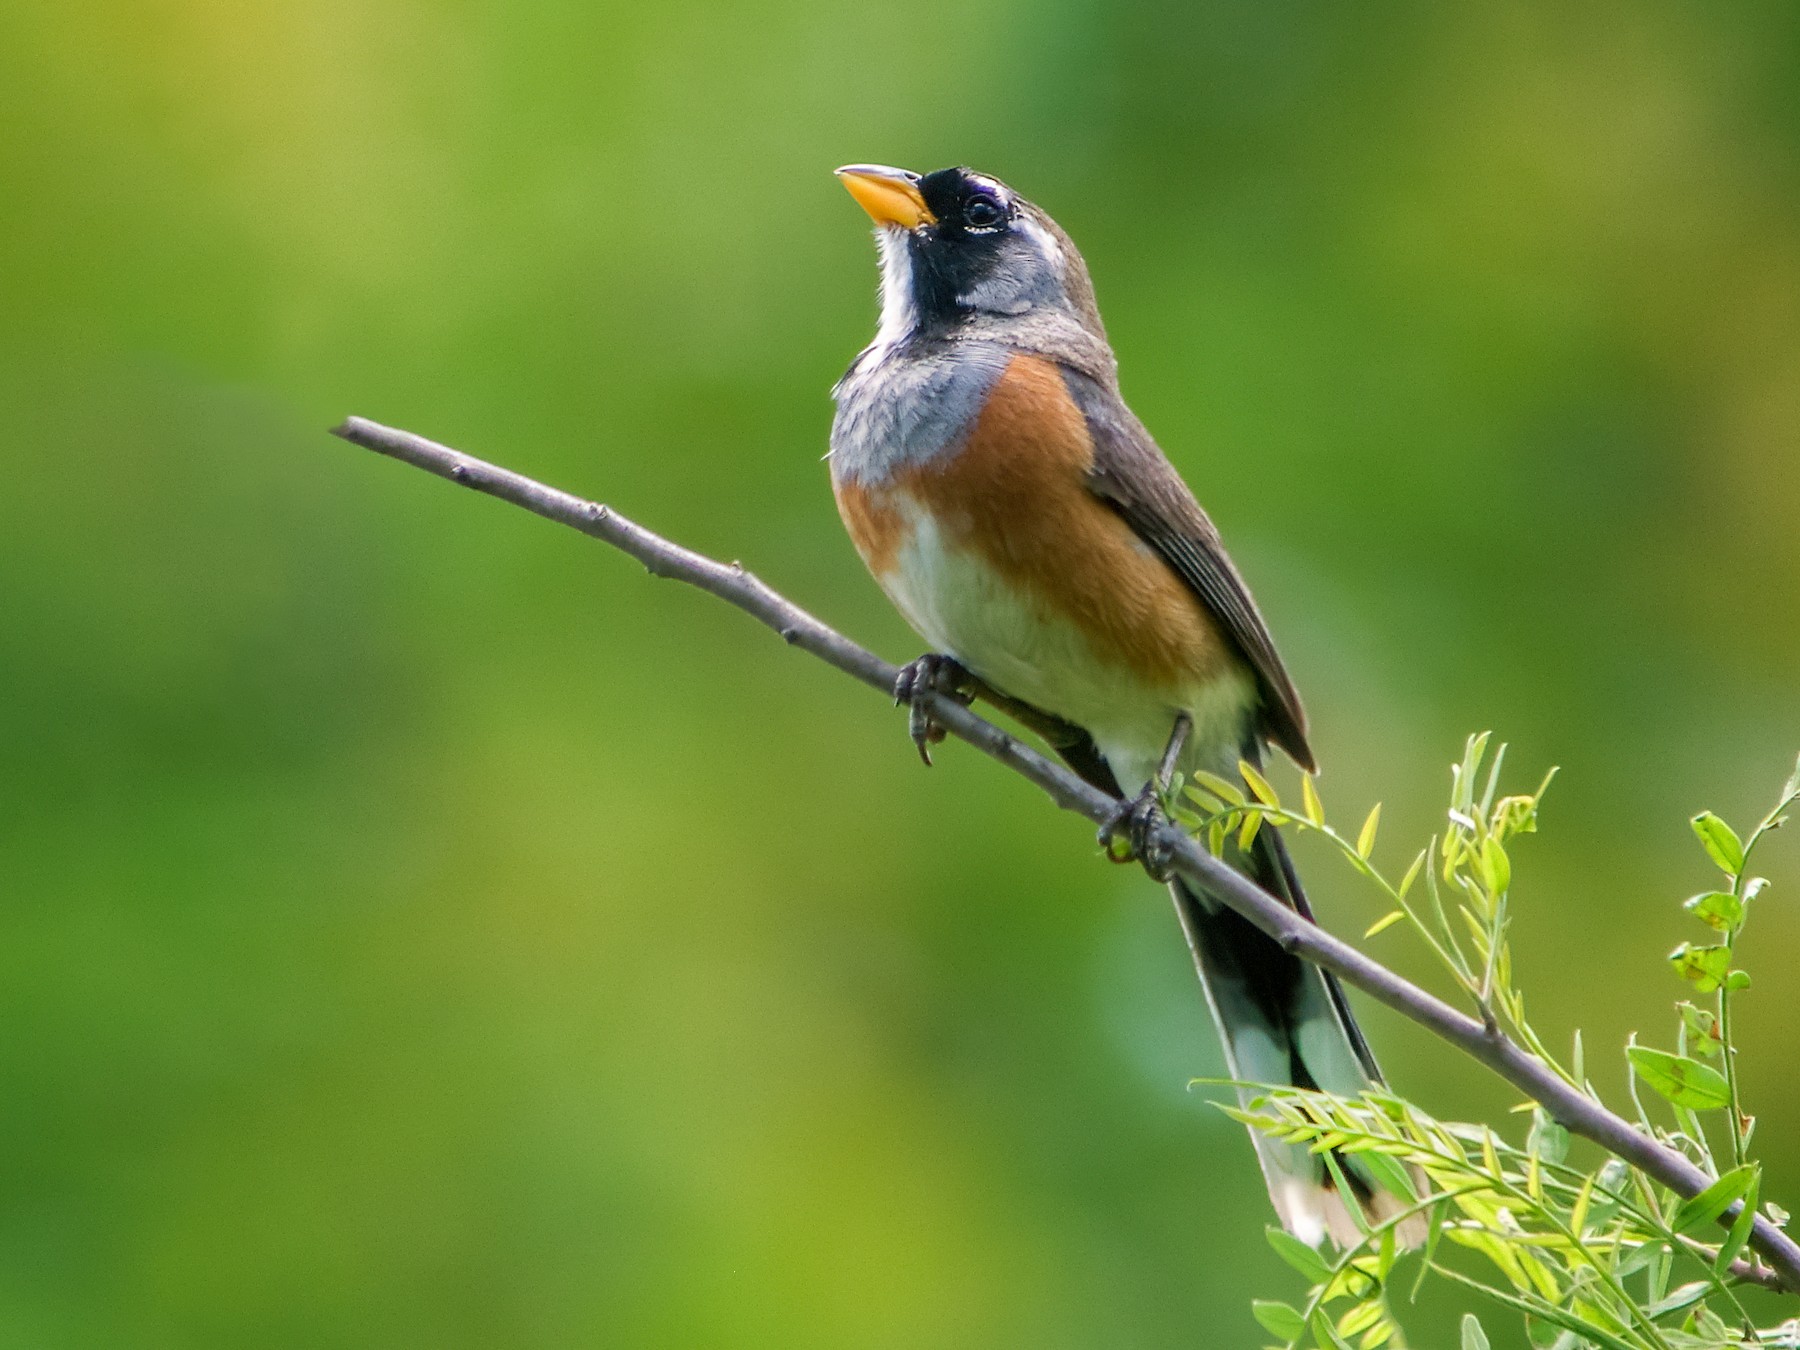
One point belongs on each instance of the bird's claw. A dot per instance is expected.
(914, 686)
(1137, 825)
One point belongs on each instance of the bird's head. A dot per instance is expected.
(963, 255)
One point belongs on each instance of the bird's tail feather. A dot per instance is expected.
(1283, 1020)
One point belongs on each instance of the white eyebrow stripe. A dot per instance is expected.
(1046, 242)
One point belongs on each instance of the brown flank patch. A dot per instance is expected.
(1016, 496)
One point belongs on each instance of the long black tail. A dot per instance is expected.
(1281, 1019)
(1284, 1021)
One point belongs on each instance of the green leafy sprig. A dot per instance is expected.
(1590, 1257)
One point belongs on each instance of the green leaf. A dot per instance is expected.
(1309, 799)
(1247, 833)
(1740, 1228)
(1325, 1333)
(1297, 1254)
(1412, 874)
(1712, 1330)
(1258, 784)
(1702, 1028)
(1707, 1206)
(1463, 775)
(1640, 1258)
(1791, 788)
(1365, 841)
(1578, 1213)
(1716, 909)
(1548, 1140)
(1388, 1174)
(1223, 789)
(1385, 922)
(1738, 979)
(1720, 842)
(1704, 967)
(1609, 1183)
(1384, 1259)
(1278, 1319)
(1473, 1337)
(1686, 1082)
(1494, 866)
(1684, 1297)
(1360, 1318)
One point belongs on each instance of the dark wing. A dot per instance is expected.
(1135, 478)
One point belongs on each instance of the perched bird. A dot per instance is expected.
(1025, 524)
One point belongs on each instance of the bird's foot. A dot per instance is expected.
(914, 686)
(1131, 833)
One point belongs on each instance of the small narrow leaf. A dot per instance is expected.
(1384, 1262)
(1740, 1228)
(1720, 842)
(1388, 1174)
(1707, 1206)
(1494, 866)
(1360, 1318)
(1412, 874)
(1258, 784)
(1365, 841)
(1223, 789)
(1578, 1214)
(1462, 776)
(1309, 799)
(1385, 922)
(1325, 1333)
(1247, 833)
(1279, 1319)
(1686, 1082)
(1685, 1296)
(1473, 1337)
(1716, 909)
(1297, 1254)
(1489, 1157)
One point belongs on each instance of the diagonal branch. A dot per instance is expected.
(1575, 1110)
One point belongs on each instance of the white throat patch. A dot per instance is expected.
(899, 316)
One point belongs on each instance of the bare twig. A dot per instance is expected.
(730, 582)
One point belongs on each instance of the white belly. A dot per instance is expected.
(965, 609)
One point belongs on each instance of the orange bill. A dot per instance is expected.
(890, 196)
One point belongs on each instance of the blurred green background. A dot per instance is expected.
(420, 929)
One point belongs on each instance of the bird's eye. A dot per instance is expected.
(983, 213)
